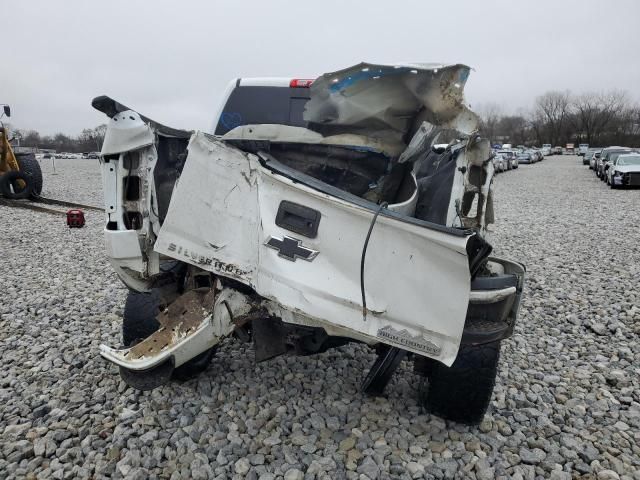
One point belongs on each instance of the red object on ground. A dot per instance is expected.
(75, 218)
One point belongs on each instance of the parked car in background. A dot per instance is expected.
(499, 163)
(569, 149)
(509, 156)
(594, 159)
(557, 150)
(546, 149)
(605, 157)
(93, 155)
(606, 165)
(624, 171)
(525, 157)
(537, 154)
(583, 148)
(586, 159)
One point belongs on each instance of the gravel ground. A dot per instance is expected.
(566, 405)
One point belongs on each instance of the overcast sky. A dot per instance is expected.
(171, 60)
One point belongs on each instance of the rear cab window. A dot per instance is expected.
(251, 105)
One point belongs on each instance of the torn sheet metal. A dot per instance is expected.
(213, 219)
(299, 135)
(179, 320)
(357, 164)
(420, 143)
(225, 207)
(387, 101)
(186, 330)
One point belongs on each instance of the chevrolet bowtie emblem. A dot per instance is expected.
(291, 248)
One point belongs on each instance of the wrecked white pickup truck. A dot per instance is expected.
(316, 214)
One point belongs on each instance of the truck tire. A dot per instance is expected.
(462, 392)
(139, 321)
(10, 188)
(29, 165)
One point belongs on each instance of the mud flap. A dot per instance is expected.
(269, 336)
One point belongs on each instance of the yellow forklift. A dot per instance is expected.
(20, 173)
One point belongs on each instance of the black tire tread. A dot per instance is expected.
(462, 392)
(8, 179)
(29, 165)
(139, 319)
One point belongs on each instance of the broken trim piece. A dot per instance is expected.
(186, 331)
(490, 296)
(111, 108)
(199, 339)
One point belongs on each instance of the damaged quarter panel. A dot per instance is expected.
(213, 220)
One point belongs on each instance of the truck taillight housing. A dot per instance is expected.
(301, 82)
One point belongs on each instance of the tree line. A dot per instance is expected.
(89, 140)
(559, 117)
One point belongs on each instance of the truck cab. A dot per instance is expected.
(267, 100)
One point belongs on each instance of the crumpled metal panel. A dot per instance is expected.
(223, 214)
(126, 131)
(388, 99)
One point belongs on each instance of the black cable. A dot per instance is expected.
(364, 253)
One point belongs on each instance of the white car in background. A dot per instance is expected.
(583, 148)
(510, 159)
(499, 163)
(546, 149)
(593, 160)
(624, 171)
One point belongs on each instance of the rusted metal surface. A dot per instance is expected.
(177, 321)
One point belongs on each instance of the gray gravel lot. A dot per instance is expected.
(567, 402)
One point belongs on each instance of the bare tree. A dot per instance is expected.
(514, 127)
(490, 115)
(595, 113)
(537, 125)
(99, 133)
(553, 109)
